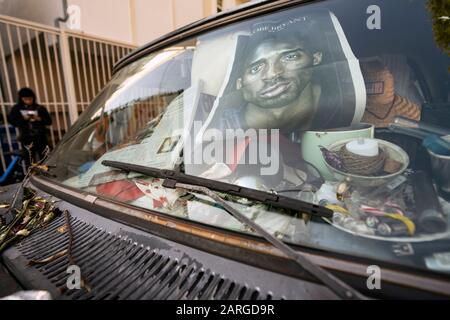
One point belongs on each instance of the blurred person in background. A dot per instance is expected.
(32, 120)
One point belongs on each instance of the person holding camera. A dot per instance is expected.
(31, 119)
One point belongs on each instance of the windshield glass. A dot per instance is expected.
(339, 103)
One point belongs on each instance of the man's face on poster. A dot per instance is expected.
(277, 71)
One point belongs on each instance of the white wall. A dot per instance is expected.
(155, 18)
(105, 18)
(188, 11)
(42, 11)
(137, 21)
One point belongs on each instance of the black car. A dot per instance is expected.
(281, 150)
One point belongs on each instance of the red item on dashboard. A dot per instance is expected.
(122, 190)
(239, 152)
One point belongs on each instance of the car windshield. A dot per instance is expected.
(344, 104)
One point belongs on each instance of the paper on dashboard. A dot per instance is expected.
(161, 149)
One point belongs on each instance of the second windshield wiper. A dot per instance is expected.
(267, 198)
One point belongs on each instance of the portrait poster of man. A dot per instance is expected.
(294, 74)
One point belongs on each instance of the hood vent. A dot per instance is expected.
(118, 267)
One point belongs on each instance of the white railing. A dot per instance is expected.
(65, 68)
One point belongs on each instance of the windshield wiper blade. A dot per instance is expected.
(267, 198)
(336, 285)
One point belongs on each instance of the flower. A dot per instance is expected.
(23, 232)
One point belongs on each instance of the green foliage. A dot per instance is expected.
(440, 13)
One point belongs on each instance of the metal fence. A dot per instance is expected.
(66, 69)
